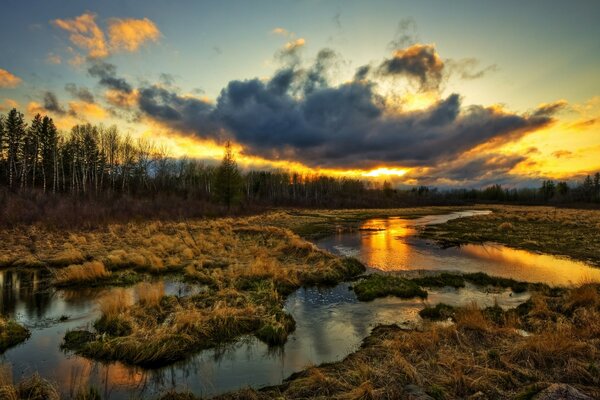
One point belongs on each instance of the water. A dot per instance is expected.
(330, 323)
(391, 245)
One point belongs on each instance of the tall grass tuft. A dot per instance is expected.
(86, 272)
(150, 294)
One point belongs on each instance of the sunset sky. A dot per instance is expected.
(461, 93)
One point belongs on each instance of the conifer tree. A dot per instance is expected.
(228, 180)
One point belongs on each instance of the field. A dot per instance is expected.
(245, 267)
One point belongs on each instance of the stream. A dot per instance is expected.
(330, 322)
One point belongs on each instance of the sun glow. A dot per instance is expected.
(384, 171)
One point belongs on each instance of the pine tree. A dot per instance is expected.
(228, 181)
(15, 132)
(48, 153)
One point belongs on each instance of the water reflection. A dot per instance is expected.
(391, 245)
(331, 323)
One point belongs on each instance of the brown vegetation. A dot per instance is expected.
(483, 354)
(561, 231)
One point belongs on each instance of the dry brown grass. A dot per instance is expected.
(31, 388)
(471, 317)
(87, 272)
(150, 294)
(115, 303)
(476, 356)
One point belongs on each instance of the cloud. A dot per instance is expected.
(107, 75)
(81, 93)
(281, 31)
(8, 80)
(585, 123)
(299, 115)
(121, 99)
(85, 34)
(468, 68)
(8, 104)
(419, 61)
(84, 110)
(546, 109)
(347, 126)
(52, 105)
(562, 154)
(294, 45)
(130, 34)
(406, 34)
(53, 59)
(124, 34)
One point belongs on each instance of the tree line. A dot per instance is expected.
(93, 161)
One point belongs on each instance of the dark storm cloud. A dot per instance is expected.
(344, 126)
(419, 61)
(297, 115)
(107, 75)
(183, 113)
(406, 34)
(52, 104)
(469, 68)
(81, 93)
(483, 167)
(316, 76)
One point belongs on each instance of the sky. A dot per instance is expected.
(449, 94)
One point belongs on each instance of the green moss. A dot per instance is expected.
(482, 279)
(275, 333)
(441, 280)
(11, 334)
(440, 312)
(376, 285)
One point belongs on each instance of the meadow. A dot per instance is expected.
(244, 267)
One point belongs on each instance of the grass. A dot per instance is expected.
(11, 334)
(31, 388)
(476, 278)
(89, 272)
(439, 312)
(481, 355)
(560, 231)
(376, 285)
(247, 269)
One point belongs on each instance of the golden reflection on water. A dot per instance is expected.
(384, 245)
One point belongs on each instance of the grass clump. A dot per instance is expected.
(89, 273)
(439, 312)
(441, 280)
(11, 334)
(376, 285)
(275, 333)
(483, 279)
(31, 388)
(482, 355)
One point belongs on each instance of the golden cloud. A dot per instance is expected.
(294, 44)
(85, 110)
(85, 34)
(8, 104)
(8, 80)
(130, 34)
(121, 99)
(53, 59)
(126, 34)
(280, 31)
